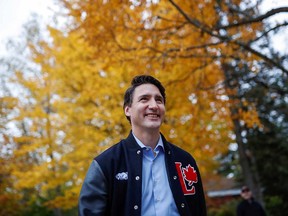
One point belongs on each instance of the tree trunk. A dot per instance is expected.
(247, 163)
(246, 158)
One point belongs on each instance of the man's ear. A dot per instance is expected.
(127, 111)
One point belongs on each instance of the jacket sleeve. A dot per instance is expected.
(93, 195)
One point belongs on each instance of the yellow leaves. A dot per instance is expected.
(73, 106)
(10, 204)
(30, 178)
(27, 145)
(7, 103)
(25, 182)
(68, 201)
(250, 116)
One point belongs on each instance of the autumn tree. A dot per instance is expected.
(71, 107)
(8, 197)
(196, 42)
(36, 171)
(269, 144)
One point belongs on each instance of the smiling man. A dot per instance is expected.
(143, 174)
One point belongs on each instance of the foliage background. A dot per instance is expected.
(62, 89)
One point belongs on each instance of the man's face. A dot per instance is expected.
(147, 110)
(246, 194)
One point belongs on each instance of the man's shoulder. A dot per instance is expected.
(118, 149)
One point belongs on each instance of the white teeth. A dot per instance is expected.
(152, 115)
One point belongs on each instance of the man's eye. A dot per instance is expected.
(159, 100)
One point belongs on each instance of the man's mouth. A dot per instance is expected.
(152, 115)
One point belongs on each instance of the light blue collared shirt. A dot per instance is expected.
(157, 198)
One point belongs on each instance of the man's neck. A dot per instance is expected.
(148, 138)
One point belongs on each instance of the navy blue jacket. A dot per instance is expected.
(113, 182)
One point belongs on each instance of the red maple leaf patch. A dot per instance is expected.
(190, 175)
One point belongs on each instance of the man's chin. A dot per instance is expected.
(153, 125)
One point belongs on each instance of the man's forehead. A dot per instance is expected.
(147, 89)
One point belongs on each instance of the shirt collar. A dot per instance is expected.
(157, 147)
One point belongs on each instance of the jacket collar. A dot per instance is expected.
(133, 145)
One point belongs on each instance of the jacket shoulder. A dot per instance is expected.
(119, 152)
(110, 153)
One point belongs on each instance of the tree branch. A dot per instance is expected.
(254, 20)
(269, 30)
(229, 39)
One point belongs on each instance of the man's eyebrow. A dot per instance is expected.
(150, 95)
(144, 95)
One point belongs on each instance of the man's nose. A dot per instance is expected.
(153, 104)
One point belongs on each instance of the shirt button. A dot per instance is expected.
(137, 178)
(182, 205)
(138, 152)
(169, 152)
(135, 207)
(175, 177)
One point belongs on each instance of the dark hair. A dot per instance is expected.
(140, 80)
(245, 189)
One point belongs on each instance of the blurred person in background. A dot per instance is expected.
(249, 206)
